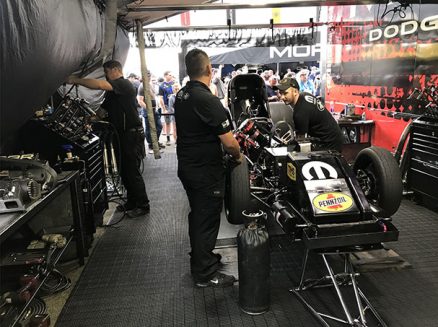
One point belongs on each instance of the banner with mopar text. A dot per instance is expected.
(375, 63)
(247, 46)
(273, 54)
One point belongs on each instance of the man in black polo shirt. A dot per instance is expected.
(203, 131)
(310, 116)
(120, 103)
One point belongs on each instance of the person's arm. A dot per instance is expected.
(274, 97)
(213, 89)
(94, 84)
(140, 96)
(219, 71)
(231, 146)
(212, 113)
(141, 102)
(172, 103)
(312, 87)
(161, 99)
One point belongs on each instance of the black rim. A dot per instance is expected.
(368, 183)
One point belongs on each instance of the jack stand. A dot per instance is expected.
(346, 278)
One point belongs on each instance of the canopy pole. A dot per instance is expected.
(147, 90)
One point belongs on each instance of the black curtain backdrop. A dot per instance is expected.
(41, 43)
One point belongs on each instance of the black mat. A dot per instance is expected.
(138, 274)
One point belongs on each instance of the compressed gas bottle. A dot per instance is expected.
(254, 266)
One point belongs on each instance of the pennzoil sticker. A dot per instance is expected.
(333, 202)
(291, 171)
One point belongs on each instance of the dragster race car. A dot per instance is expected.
(315, 196)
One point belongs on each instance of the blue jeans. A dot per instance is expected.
(158, 125)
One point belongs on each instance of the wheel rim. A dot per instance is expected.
(368, 183)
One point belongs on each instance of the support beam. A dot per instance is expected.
(218, 6)
(250, 26)
(146, 89)
(225, 27)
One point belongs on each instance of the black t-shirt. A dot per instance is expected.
(141, 93)
(121, 105)
(200, 118)
(311, 117)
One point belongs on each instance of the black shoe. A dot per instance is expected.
(218, 280)
(125, 207)
(138, 212)
(161, 145)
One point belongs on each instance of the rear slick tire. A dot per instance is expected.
(380, 179)
(237, 193)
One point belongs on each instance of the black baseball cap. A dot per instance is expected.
(286, 83)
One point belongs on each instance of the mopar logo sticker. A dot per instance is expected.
(333, 202)
(320, 169)
(291, 171)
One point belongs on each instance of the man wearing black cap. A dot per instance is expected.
(310, 116)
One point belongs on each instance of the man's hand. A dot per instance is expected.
(230, 144)
(232, 162)
(240, 159)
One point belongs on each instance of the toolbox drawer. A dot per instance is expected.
(422, 174)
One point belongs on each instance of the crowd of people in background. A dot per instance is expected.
(308, 80)
(163, 90)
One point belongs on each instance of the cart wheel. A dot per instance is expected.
(237, 194)
(380, 179)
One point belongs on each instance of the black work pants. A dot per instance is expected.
(206, 199)
(132, 152)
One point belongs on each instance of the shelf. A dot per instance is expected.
(56, 257)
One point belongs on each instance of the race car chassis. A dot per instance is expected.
(329, 235)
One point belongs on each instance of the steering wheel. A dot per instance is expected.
(284, 132)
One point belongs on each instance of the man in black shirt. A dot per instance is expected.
(310, 116)
(120, 103)
(203, 131)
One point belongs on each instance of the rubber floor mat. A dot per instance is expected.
(139, 273)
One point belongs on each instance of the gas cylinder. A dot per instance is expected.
(254, 269)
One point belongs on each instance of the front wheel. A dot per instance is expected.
(380, 179)
(237, 193)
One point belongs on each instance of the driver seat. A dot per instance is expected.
(280, 111)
